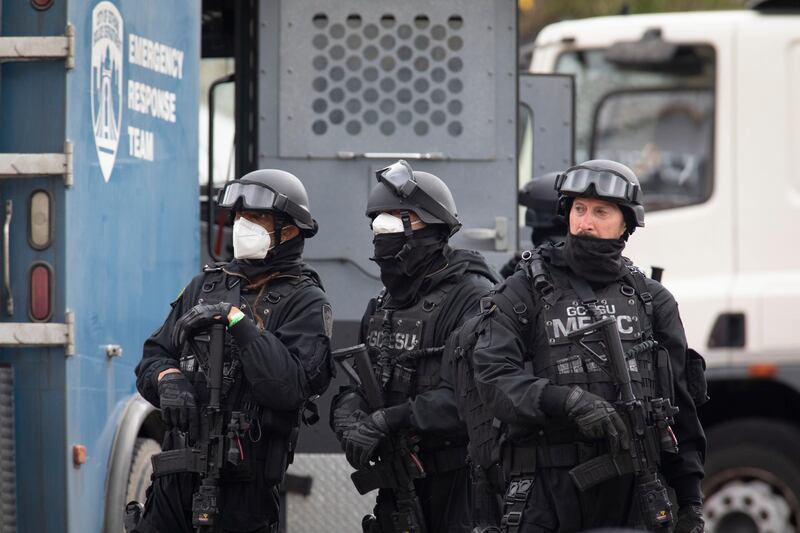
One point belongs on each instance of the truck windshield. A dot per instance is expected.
(659, 120)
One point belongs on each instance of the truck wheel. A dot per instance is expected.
(752, 482)
(141, 468)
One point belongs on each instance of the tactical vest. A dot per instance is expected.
(273, 434)
(563, 363)
(561, 311)
(404, 344)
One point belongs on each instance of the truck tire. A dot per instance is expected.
(141, 468)
(752, 481)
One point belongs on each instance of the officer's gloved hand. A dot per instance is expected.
(179, 404)
(199, 317)
(597, 419)
(343, 420)
(690, 519)
(361, 441)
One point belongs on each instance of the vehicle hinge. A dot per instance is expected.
(35, 334)
(69, 321)
(35, 165)
(40, 48)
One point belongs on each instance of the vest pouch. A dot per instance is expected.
(403, 378)
(696, 377)
(246, 469)
(664, 378)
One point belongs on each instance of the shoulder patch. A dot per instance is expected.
(177, 298)
(327, 320)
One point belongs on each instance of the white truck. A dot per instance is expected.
(705, 107)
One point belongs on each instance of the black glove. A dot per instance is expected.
(690, 519)
(361, 441)
(199, 317)
(179, 404)
(343, 420)
(596, 418)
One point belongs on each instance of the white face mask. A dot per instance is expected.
(250, 240)
(386, 223)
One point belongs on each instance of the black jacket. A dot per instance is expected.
(434, 410)
(285, 364)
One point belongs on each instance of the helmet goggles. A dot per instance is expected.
(399, 177)
(606, 183)
(259, 197)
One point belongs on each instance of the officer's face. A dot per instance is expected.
(267, 221)
(591, 217)
(416, 222)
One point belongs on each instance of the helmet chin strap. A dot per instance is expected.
(409, 234)
(406, 218)
(278, 229)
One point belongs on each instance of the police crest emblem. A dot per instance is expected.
(106, 83)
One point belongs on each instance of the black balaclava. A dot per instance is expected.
(595, 260)
(404, 262)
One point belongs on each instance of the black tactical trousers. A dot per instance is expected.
(244, 506)
(445, 500)
(554, 504)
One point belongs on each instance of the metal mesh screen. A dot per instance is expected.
(364, 78)
(334, 504)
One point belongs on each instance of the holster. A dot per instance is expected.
(392, 474)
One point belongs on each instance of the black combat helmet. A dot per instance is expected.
(541, 199)
(270, 190)
(401, 188)
(606, 180)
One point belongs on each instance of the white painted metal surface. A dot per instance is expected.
(738, 251)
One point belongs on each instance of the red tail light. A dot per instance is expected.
(40, 299)
(42, 4)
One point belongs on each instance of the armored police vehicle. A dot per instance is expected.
(704, 107)
(98, 159)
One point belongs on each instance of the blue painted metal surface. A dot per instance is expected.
(126, 241)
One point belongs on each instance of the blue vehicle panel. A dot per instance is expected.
(125, 233)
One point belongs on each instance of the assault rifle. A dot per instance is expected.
(217, 444)
(397, 465)
(205, 509)
(649, 428)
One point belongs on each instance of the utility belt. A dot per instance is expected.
(590, 463)
(525, 460)
(396, 472)
(443, 460)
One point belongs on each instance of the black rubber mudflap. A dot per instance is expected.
(8, 469)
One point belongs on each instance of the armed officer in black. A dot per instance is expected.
(539, 197)
(556, 402)
(430, 289)
(277, 357)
